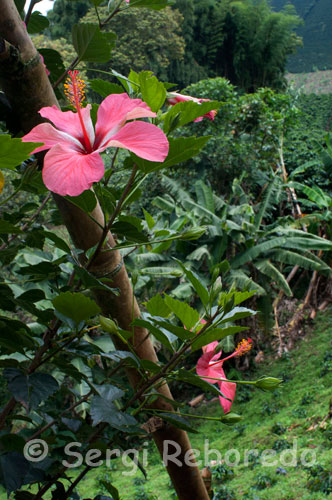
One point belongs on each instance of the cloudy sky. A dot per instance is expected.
(44, 6)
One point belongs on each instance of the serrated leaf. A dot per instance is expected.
(13, 151)
(186, 314)
(157, 306)
(91, 44)
(30, 390)
(37, 23)
(105, 88)
(106, 411)
(75, 306)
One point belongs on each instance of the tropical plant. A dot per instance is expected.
(256, 248)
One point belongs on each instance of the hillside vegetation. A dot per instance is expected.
(316, 33)
(293, 417)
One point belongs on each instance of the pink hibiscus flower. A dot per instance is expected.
(174, 98)
(210, 366)
(73, 162)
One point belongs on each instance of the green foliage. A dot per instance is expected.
(146, 40)
(246, 132)
(317, 43)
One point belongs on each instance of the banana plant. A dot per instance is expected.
(260, 248)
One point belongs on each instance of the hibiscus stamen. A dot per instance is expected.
(75, 93)
(244, 346)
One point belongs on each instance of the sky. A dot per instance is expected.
(44, 6)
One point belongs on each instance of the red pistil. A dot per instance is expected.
(74, 90)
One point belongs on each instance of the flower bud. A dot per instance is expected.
(231, 418)
(108, 325)
(268, 383)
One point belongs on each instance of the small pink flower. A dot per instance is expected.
(174, 98)
(210, 366)
(73, 162)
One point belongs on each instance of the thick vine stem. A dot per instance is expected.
(28, 89)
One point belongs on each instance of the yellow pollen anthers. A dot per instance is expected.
(244, 346)
(74, 89)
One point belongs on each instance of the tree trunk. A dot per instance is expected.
(26, 85)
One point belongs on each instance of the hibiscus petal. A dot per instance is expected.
(143, 139)
(70, 173)
(211, 347)
(50, 136)
(207, 372)
(228, 389)
(114, 111)
(69, 122)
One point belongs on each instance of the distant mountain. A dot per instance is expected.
(316, 32)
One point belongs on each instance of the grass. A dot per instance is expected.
(291, 416)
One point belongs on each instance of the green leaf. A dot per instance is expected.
(200, 289)
(103, 410)
(109, 487)
(178, 421)
(90, 282)
(179, 331)
(165, 337)
(187, 112)
(186, 314)
(91, 44)
(30, 390)
(150, 4)
(14, 336)
(105, 88)
(53, 62)
(86, 201)
(180, 150)
(129, 231)
(157, 306)
(8, 228)
(215, 334)
(58, 242)
(13, 469)
(75, 306)
(37, 23)
(193, 379)
(149, 219)
(237, 313)
(152, 90)
(267, 268)
(14, 151)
